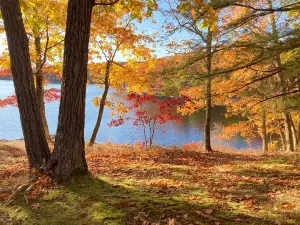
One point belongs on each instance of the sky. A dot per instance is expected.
(146, 26)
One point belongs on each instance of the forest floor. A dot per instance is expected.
(161, 186)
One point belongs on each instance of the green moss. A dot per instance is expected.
(276, 160)
(118, 198)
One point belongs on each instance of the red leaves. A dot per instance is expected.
(9, 101)
(143, 116)
(50, 95)
(40, 187)
(116, 122)
(148, 118)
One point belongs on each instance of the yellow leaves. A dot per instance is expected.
(96, 101)
(194, 14)
(273, 146)
(199, 11)
(196, 96)
(117, 108)
(243, 128)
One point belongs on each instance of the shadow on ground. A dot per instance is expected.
(89, 200)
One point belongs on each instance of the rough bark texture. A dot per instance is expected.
(207, 124)
(40, 87)
(102, 104)
(68, 157)
(264, 132)
(34, 136)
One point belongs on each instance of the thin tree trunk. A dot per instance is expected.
(35, 141)
(39, 78)
(68, 157)
(285, 114)
(102, 104)
(288, 132)
(298, 130)
(208, 106)
(294, 132)
(282, 137)
(264, 132)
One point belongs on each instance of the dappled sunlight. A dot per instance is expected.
(133, 186)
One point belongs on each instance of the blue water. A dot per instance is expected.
(168, 134)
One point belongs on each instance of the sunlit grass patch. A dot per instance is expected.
(133, 186)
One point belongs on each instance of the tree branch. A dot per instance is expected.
(106, 3)
(294, 6)
(45, 52)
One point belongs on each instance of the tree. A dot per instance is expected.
(199, 19)
(147, 118)
(256, 65)
(118, 36)
(43, 21)
(68, 157)
(272, 46)
(34, 136)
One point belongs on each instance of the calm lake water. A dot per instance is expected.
(191, 130)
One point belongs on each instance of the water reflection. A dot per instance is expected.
(191, 130)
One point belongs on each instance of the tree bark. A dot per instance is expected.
(68, 157)
(39, 78)
(294, 132)
(35, 141)
(264, 132)
(298, 131)
(208, 106)
(282, 137)
(102, 104)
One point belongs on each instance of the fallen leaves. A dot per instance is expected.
(36, 206)
(125, 204)
(224, 182)
(286, 206)
(207, 216)
(39, 187)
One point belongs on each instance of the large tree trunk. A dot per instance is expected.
(34, 136)
(40, 87)
(207, 124)
(102, 104)
(264, 132)
(68, 157)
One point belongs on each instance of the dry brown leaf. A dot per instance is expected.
(206, 216)
(172, 221)
(36, 205)
(208, 211)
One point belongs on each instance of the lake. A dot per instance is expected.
(171, 133)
